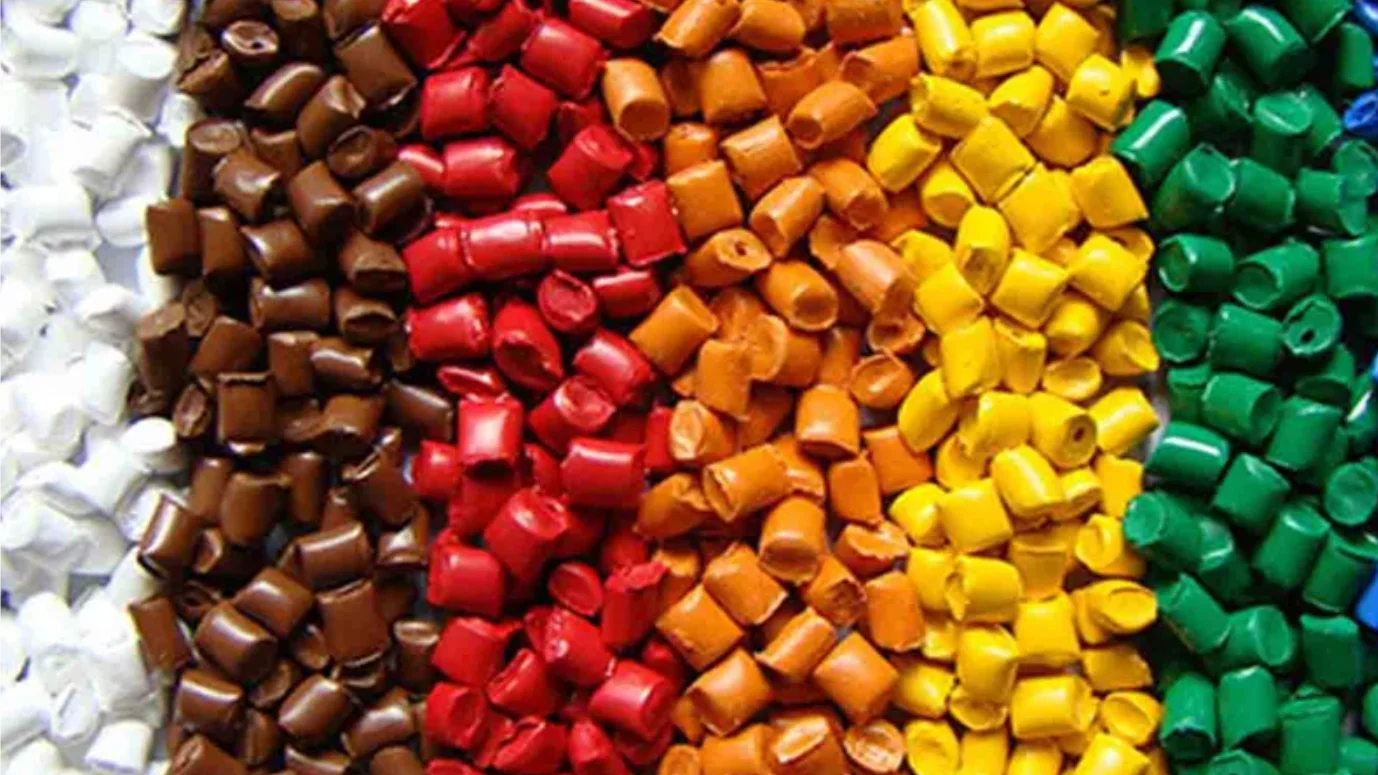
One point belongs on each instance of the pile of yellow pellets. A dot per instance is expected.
(1031, 276)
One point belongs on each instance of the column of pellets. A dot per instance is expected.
(1040, 306)
(288, 570)
(753, 332)
(1264, 485)
(984, 233)
(549, 662)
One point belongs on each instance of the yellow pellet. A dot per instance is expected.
(977, 713)
(1045, 707)
(1109, 755)
(922, 252)
(1081, 490)
(1101, 92)
(1089, 630)
(945, 301)
(931, 747)
(927, 412)
(1004, 43)
(1121, 481)
(987, 662)
(1106, 194)
(1063, 137)
(1062, 431)
(946, 107)
(992, 158)
(1027, 483)
(955, 466)
(923, 687)
(1029, 288)
(1075, 325)
(1131, 716)
(1041, 557)
(944, 194)
(944, 38)
(1102, 549)
(929, 569)
(1123, 418)
(1046, 632)
(982, 248)
(981, 589)
(1035, 757)
(1116, 667)
(1106, 272)
(1063, 252)
(939, 639)
(1135, 240)
(1126, 350)
(901, 153)
(1121, 606)
(1137, 63)
(970, 363)
(974, 518)
(1064, 39)
(1040, 211)
(1022, 353)
(1075, 379)
(985, 752)
(992, 422)
(1022, 99)
(916, 510)
(1138, 307)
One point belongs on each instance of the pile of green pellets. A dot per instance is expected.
(1257, 517)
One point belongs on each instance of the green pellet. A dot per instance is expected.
(1263, 200)
(1259, 636)
(1159, 135)
(1244, 340)
(1241, 407)
(1221, 567)
(1162, 531)
(1188, 52)
(1353, 65)
(1341, 569)
(1180, 330)
(1270, 46)
(1195, 264)
(1310, 730)
(1359, 756)
(1285, 555)
(1351, 493)
(1189, 456)
(1281, 131)
(1189, 730)
(1312, 327)
(1251, 494)
(1304, 429)
(1273, 278)
(1332, 651)
(1191, 612)
(1351, 274)
(1184, 388)
(1248, 704)
(1194, 191)
(1328, 379)
(1331, 202)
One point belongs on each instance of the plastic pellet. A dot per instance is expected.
(1193, 614)
(1309, 736)
(1190, 732)
(1248, 707)
(1190, 456)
